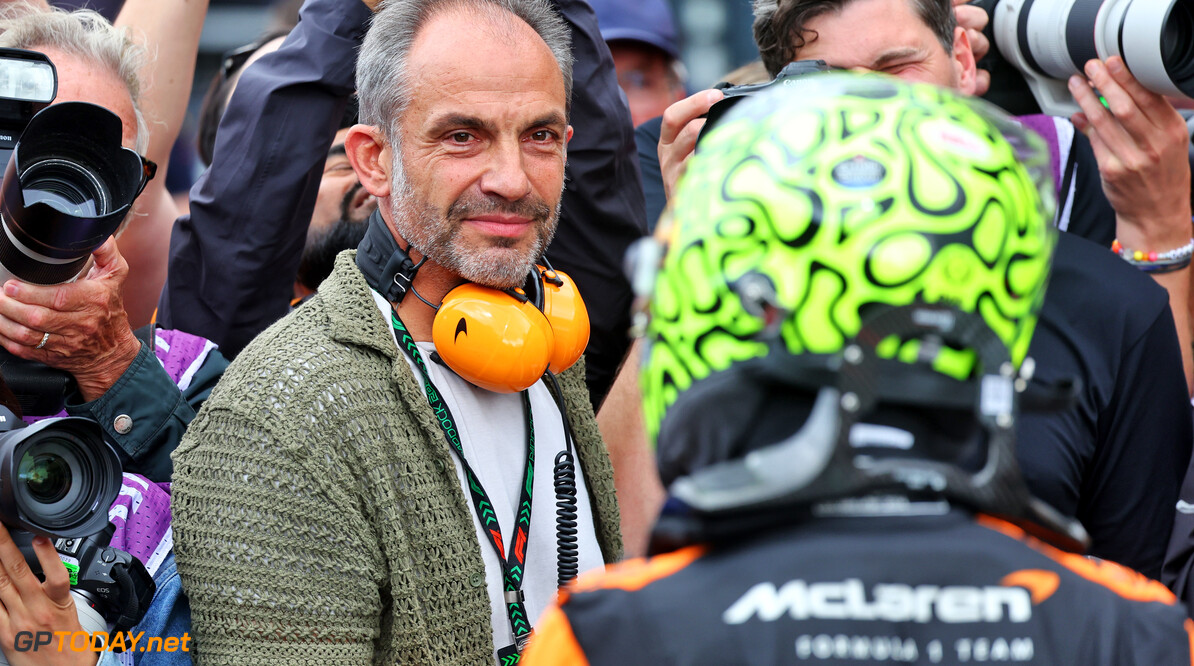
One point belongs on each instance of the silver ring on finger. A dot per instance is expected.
(44, 339)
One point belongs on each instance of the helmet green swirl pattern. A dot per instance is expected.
(846, 191)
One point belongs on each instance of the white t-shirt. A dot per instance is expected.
(492, 428)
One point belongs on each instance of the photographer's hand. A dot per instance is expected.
(682, 123)
(90, 336)
(29, 605)
(1140, 142)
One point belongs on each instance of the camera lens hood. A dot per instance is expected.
(67, 187)
(1156, 39)
(81, 462)
(1048, 41)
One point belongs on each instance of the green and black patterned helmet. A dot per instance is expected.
(846, 191)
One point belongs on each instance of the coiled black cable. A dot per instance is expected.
(564, 481)
(567, 548)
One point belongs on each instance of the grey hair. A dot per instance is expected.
(83, 33)
(382, 84)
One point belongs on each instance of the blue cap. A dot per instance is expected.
(647, 21)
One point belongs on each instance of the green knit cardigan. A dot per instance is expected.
(317, 514)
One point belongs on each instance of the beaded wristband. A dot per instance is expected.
(1164, 268)
(1156, 262)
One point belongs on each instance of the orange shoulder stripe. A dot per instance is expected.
(1190, 634)
(636, 574)
(1121, 580)
(553, 642)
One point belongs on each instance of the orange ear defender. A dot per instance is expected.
(504, 340)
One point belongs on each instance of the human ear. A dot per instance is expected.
(369, 153)
(965, 67)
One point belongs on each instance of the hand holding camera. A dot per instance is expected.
(89, 332)
(682, 124)
(1140, 143)
(30, 605)
(57, 478)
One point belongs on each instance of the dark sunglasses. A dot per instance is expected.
(149, 169)
(233, 60)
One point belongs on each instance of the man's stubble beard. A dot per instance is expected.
(437, 235)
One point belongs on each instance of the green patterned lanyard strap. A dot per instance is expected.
(513, 562)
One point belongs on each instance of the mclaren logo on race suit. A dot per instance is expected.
(1012, 600)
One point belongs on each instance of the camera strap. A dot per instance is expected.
(513, 561)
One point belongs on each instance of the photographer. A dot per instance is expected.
(58, 476)
(81, 327)
(122, 382)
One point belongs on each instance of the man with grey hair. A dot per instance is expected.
(344, 496)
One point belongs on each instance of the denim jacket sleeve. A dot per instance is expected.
(157, 411)
(233, 260)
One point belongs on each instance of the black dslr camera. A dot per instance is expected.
(69, 182)
(735, 94)
(110, 586)
(57, 478)
(68, 185)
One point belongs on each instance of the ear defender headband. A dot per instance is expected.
(501, 340)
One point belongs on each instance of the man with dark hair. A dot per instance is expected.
(780, 27)
(341, 444)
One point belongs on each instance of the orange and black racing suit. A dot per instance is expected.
(944, 589)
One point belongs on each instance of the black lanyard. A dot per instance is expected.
(513, 565)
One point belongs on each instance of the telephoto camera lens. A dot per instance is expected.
(1049, 41)
(67, 187)
(57, 477)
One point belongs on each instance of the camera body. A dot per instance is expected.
(38, 389)
(68, 185)
(105, 580)
(734, 94)
(58, 477)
